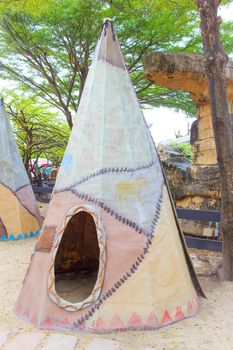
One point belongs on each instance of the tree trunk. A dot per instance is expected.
(26, 161)
(215, 64)
(68, 115)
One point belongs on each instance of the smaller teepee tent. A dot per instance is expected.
(19, 214)
(110, 256)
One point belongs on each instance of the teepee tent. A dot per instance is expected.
(110, 255)
(19, 214)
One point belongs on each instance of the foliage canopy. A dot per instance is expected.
(48, 46)
(39, 132)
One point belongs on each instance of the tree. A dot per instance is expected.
(48, 45)
(215, 64)
(39, 132)
(226, 31)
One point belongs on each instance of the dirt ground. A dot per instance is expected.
(212, 328)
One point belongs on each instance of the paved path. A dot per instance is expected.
(52, 341)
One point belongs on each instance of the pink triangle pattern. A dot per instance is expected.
(190, 309)
(99, 324)
(135, 320)
(34, 320)
(116, 322)
(166, 318)
(179, 314)
(66, 322)
(152, 321)
(48, 322)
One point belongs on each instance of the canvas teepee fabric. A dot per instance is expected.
(110, 255)
(19, 214)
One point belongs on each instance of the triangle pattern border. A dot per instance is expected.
(135, 321)
(20, 236)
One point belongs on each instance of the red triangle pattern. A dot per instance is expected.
(66, 322)
(135, 320)
(116, 322)
(190, 309)
(166, 318)
(48, 322)
(100, 323)
(34, 320)
(179, 314)
(152, 320)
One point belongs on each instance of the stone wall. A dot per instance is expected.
(199, 187)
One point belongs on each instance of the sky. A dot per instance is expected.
(165, 121)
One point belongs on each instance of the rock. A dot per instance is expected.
(185, 71)
(199, 266)
(193, 187)
(206, 265)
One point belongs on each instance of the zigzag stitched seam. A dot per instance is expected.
(15, 194)
(9, 188)
(109, 211)
(157, 214)
(1, 183)
(109, 170)
(119, 217)
(21, 187)
(80, 322)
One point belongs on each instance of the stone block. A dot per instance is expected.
(205, 145)
(25, 341)
(3, 338)
(205, 122)
(60, 342)
(208, 157)
(204, 134)
(103, 344)
(204, 110)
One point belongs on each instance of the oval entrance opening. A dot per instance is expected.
(77, 259)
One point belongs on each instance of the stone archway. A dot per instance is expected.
(186, 72)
